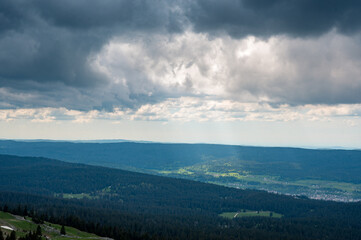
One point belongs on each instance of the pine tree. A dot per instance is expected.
(62, 230)
(12, 236)
(25, 211)
(1, 235)
(38, 231)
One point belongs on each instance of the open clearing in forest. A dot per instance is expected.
(249, 213)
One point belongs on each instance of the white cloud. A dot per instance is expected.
(323, 70)
(195, 77)
(186, 109)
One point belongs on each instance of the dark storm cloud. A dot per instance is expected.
(49, 43)
(46, 45)
(124, 15)
(270, 17)
(52, 40)
(9, 16)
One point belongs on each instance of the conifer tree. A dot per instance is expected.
(62, 230)
(12, 236)
(38, 231)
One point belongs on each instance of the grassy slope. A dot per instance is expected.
(248, 213)
(24, 225)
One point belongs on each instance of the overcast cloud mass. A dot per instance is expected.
(201, 60)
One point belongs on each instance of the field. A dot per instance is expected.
(249, 213)
(243, 175)
(76, 196)
(22, 226)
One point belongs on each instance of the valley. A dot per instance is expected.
(318, 174)
(231, 175)
(122, 204)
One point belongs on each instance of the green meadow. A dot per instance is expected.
(249, 213)
(23, 226)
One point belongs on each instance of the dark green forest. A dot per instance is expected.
(126, 205)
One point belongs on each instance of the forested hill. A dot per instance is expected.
(49, 177)
(127, 205)
(288, 163)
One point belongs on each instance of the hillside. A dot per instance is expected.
(50, 178)
(323, 174)
(23, 225)
(126, 205)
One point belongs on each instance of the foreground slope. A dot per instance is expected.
(324, 174)
(127, 205)
(23, 225)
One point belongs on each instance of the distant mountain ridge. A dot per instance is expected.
(327, 174)
(329, 164)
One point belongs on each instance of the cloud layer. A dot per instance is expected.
(273, 17)
(107, 55)
(323, 70)
(190, 109)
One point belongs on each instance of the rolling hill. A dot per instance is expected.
(321, 174)
(127, 205)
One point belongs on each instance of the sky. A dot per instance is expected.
(248, 72)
